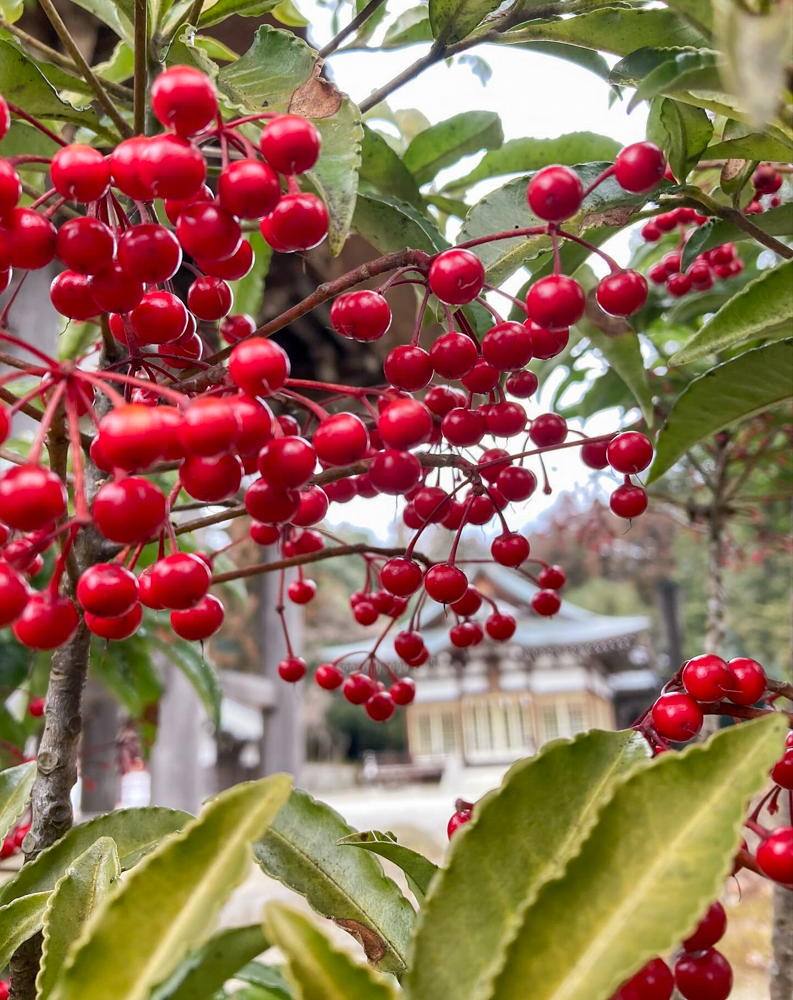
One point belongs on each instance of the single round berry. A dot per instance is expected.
(652, 982)
(748, 680)
(460, 818)
(80, 173)
(313, 506)
(48, 621)
(340, 439)
(516, 483)
(709, 930)
(595, 454)
(236, 328)
(209, 231)
(287, 462)
(546, 603)
(677, 717)
(290, 144)
(463, 427)
(209, 298)
(31, 497)
(115, 629)
(180, 580)
(555, 302)
(259, 366)
(129, 510)
(358, 689)
(200, 622)
(13, 595)
(639, 167)
(329, 677)
(37, 707)
(107, 589)
(404, 424)
(482, 378)
(28, 239)
(445, 584)
(453, 355)
(547, 430)
(171, 167)
(211, 478)
(149, 253)
(364, 316)
(394, 472)
(159, 318)
(408, 645)
(629, 453)
(622, 293)
(10, 187)
(264, 534)
(552, 578)
(500, 627)
(301, 591)
(775, 855)
(555, 193)
(706, 677)
(510, 549)
(507, 346)
(380, 707)
(125, 163)
(408, 367)
(403, 692)
(628, 501)
(271, 505)
(401, 577)
(456, 276)
(183, 99)
(292, 669)
(85, 245)
(131, 437)
(547, 343)
(782, 772)
(248, 189)
(114, 291)
(70, 294)
(705, 975)
(298, 222)
(678, 285)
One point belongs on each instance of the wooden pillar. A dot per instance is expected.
(99, 751)
(177, 777)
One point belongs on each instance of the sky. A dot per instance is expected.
(535, 95)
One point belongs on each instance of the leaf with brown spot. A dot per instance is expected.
(372, 945)
(317, 97)
(730, 170)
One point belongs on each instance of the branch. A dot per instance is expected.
(360, 548)
(781, 688)
(87, 73)
(141, 65)
(699, 198)
(356, 22)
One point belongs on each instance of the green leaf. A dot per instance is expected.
(130, 944)
(75, 338)
(126, 670)
(135, 831)
(389, 224)
(775, 222)
(266, 976)
(677, 69)
(506, 208)
(206, 968)
(19, 921)
(266, 76)
(301, 850)
(763, 304)
(383, 169)
(452, 20)
(698, 13)
(688, 131)
(519, 156)
(447, 142)
(114, 16)
(287, 13)
(318, 970)
(754, 146)
(197, 669)
(522, 835)
(12, 10)
(612, 29)
(226, 8)
(419, 870)
(410, 27)
(671, 831)
(24, 138)
(16, 784)
(119, 67)
(76, 896)
(249, 291)
(730, 392)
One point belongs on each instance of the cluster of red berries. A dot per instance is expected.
(766, 181)
(700, 972)
(721, 263)
(12, 844)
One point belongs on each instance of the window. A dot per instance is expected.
(576, 719)
(562, 719)
(436, 733)
(549, 722)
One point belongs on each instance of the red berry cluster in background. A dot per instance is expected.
(251, 428)
(721, 263)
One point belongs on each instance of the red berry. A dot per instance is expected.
(13, 595)
(456, 276)
(766, 179)
(548, 429)
(287, 462)
(491, 462)
(552, 578)
(131, 437)
(463, 427)
(114, 290)
(408, 367)
(172, 167)
(211, 478)
(180, 580)
(639, 167)
(85, 245)
(709, 930)
(460, 818)
(10, 187)
(358, 689)
(31, 497)
(775, 855)
(706, 677)
(183, 99)
(628, 501)
(115, 628)
(505, 419)
(469, 603)
(259, 366)
(516, 483)
(748, 680)
(36, 707)
(248, 189)
(676, 716)
(401, 577)
(510, 549)
(403, 692)
(363, 316)
(80, 173)
(236, 328)
(232, 268)
(482, 378)
(329, 677)
(507, 346)
(107, 589)
(629, 453)
(340, 439)
(130, 510)
(298, 222)
(159, 318)
(444, 583)
(71, 296)
(209, 231)
(47, 622)
(595, 454)
(404, 424)
(182, 353)
(313, 506)
(380, 707)
(408, 645)
(200, 622)
(149, 253)
(555, 302)
(500, 627)
(28, 239)
(782, 773)
(125, 163)
(264, 534)
(622, 293)
(453, 355)
(705, 976)
(175, 206)
(650, 232)
(270, 505)
(290, 144)
(678, 285)
(555, 193)
(292, 669)
(653, 982)
(546, 603)
(209, 298)
(301, 591)
(394, 472)
(432, 504)
(547, 343)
